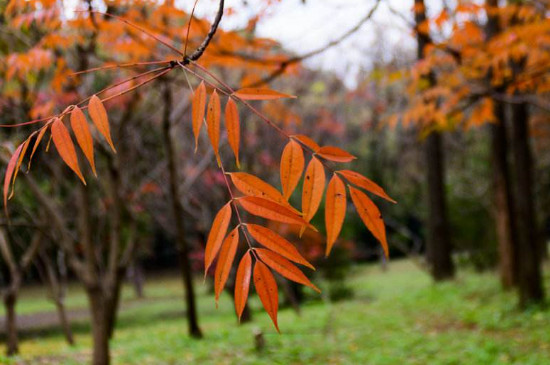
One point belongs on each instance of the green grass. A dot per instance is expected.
(395, 317)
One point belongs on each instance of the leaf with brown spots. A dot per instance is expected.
(267, 290)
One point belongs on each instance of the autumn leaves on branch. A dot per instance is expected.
(267, 251)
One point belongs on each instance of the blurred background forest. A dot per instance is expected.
(448, 112)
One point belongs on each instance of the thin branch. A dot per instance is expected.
(200, 50)
(296, 59)
(189, 28)
(122, 65)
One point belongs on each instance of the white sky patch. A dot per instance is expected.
(301, 28)
(305, 27)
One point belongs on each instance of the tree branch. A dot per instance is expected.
(200, 50)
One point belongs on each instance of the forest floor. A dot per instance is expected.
(395, 317)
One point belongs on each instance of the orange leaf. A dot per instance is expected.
(269, 209)
(199, 103)
(99, 117)
(213, 123)
(307, 142)
(260, 94)
(314, 185)
(335, 210)
(20, 160)
(242, 283)
(83, 135)
(65, 147)
(233, 128)
(37, 142)
(216, 235)
(370, 215)
(266, 287)
(276, 243)
(251, 185)
(9, 174)
(225, 261)
(284, 267)
(335, 154)
(292, 167)
(365, 183)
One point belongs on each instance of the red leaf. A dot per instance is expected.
(292, 167)
(276, 243)
(335, 154)
(266, 287)
(365, 183)
(225, 261)
(335, 210)
(260, 94)
(233, 128)
(199, 103)
(242, 283)
(216, 235)
(65, 147)
(370, 215)
(284, 267)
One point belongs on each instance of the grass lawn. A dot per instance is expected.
(395, 317)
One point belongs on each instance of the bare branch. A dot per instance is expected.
(200, 50)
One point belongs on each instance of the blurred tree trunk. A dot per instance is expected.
(100, 327)
(503, 203)
(57, 292)
(12, 342)
(16, 268)
(529, 255)
(438, 245)
(178, 214)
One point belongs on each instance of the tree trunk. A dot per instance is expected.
(178, 214)
(12, 343)
(64, 322)
(113, 303)
(503, 202)
(529, 255)
(137, 277)
(100, 327)
(439, 247)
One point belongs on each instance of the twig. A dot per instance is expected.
(200, 50)
(189, 28)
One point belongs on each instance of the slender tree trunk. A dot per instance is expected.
(439, 247)
(503, 202)
(529, 255)
(438, 244)
(138, 278)
(64, 322)
(12, 342)
(113, 303)
(57, 291)
(100, 327)
(177, 210)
